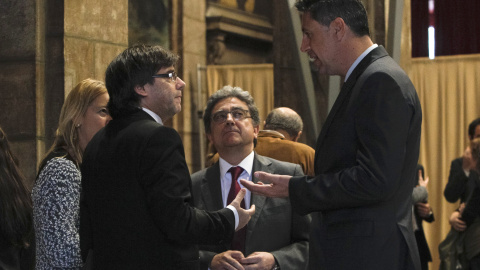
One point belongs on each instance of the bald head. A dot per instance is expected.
(285, 121)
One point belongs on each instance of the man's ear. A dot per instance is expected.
(339, 27)
(210, 137)
(141, 90)
(295, 138)
(255, 131)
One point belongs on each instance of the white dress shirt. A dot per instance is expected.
(360, 58)
(226, 177)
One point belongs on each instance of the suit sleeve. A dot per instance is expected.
(457, 181)
(382, 122)
(166, 180)
(295, 255)
(472, 207)
(419, 194)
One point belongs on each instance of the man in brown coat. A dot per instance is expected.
(279, 139)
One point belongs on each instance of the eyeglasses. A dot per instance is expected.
(171, 75)
(237, 114)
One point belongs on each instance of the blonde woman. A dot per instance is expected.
(56, 193)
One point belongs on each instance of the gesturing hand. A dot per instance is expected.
(243, 215)
(270, 185)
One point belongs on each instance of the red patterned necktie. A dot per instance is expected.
(238, 242)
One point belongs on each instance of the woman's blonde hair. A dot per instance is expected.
(475, 148)
(74, 107)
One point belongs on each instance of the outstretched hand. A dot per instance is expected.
(243, 214)
(270, 185)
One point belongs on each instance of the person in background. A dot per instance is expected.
(462, 178)
(279, 139)
(275, 237)
(136, 207)
(16, 224)
(366, 154)
(56, 192)
(422, 211)
(469, 212)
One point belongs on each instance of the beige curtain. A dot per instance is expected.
(256, 79)
(448, 88)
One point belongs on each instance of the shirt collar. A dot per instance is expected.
(360, 58)
(154, 115)
(246, 164)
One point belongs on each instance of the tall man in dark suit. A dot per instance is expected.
(136, 207)
(275, 236)
(366, 153)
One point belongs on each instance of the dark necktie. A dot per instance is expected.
(238, 242)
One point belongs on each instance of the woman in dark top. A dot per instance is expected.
(16, 227)
(56, 193)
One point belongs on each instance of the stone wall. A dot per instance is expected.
(46, 48)
(95, 32)
(18, 79)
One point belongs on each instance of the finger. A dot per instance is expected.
(251, 211)
(262, 176)
(253, 187)
(252, 267)
(240, 196)
(250, 260)
(235, 265)
(237, 255)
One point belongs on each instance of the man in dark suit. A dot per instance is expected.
(136, 206)
(275, 237)
(366, 153)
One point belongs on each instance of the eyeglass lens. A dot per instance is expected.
(237, 114)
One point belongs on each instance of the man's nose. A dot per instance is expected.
(305, 44)
(180, 84)
(230, 119)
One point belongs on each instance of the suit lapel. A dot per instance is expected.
(346, 89)
(212, 190)
(259, 164)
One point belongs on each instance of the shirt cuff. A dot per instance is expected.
(467, 172)
(235, 213)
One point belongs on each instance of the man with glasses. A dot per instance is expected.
(136, 207)
(275, 237)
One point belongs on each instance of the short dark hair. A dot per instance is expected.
(325, 11)
(226, 92)
(471, 128)
(290, 122)
(134, 66)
